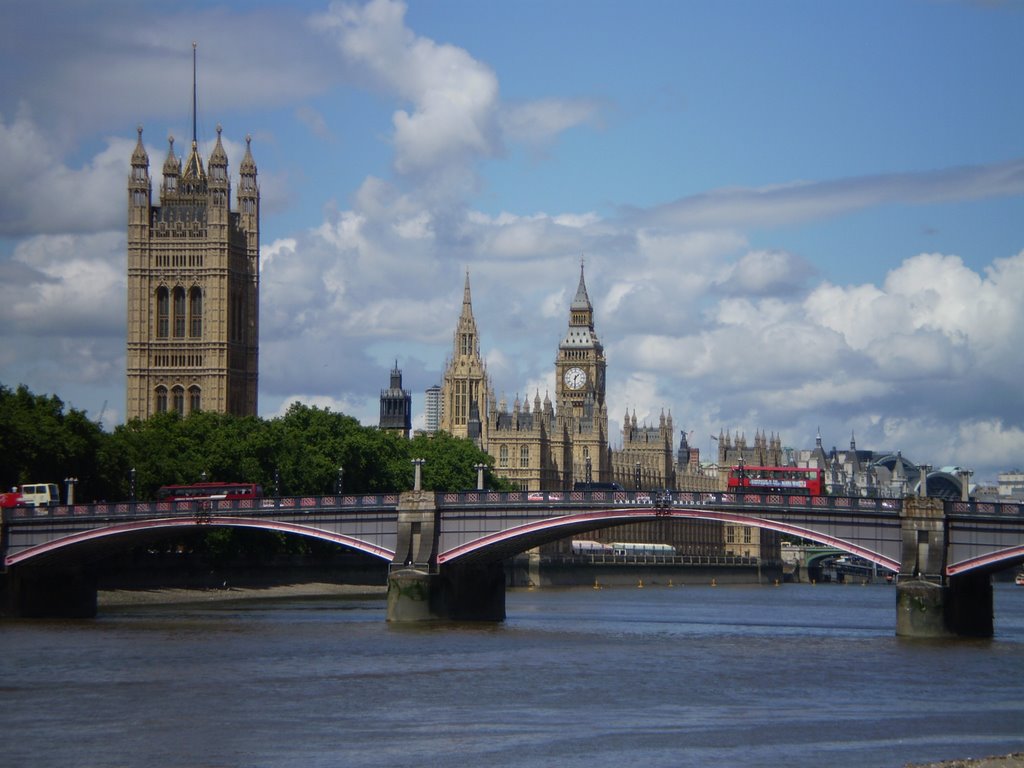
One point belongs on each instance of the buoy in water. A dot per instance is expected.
(670, 583)
(640, 584)
(714, 583)
(596, 584)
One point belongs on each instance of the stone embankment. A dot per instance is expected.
(1016, 760)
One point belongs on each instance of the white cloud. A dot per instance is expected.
(454, 98)
(39, 193)
(451, 115)
(783, 204)
(538, 122)
(65, 285)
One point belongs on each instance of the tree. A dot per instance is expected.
(40, 442)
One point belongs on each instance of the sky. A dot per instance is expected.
(796, 217)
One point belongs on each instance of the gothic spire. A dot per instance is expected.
(139, 156)
(581, 301)
(467, 300)
(194, 165)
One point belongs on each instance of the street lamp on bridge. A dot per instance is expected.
(131, 483)
(479, 475)
(338, 484)
(417, 481)
(70, 483)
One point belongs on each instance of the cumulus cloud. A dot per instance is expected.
(452, 115)
(40, 193)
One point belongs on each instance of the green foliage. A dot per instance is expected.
(39, 442)
(450, 463)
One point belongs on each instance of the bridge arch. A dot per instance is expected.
(513, 540)
(101, 541)
(988, 563)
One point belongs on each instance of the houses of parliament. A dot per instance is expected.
(193, 345)
(554, 444)
(193, 284)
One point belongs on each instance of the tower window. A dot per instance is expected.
(162, 310)
(195, 312)
(194, 399)
(178, 399)
(503, 456)
(161, 399)
(460, 408)
(179, 312)
(524, 456)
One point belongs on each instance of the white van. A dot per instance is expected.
(40, 495)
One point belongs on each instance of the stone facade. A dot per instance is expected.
(193, 286)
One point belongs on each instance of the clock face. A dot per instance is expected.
(575, 378)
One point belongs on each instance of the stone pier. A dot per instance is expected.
(928, 603)
(420, 590)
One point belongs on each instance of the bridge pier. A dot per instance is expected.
(457, 593)
(57, 594)
(928, 603)
(418, 590)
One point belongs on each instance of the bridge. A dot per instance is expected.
(445, 550)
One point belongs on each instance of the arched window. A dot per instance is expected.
(178, 398)
(195, 400)
(179, 312)
(161, 399)
(162, 312)
(195, 312)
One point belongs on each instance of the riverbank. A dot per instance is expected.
(1015, 760)
(118, 597)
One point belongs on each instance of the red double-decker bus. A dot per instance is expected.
(807, 481)
(209, 491)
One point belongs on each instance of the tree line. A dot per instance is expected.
(308, 450)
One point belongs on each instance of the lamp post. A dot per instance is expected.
(636, 475)
(589, 477)
(923, 483)
(965, 484)
(479, 475)
(131, 483)
(70, 483)
(338, 484)
(277, 483)
(417, 481)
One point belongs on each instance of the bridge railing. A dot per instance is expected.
(666, 499)
(985, 509)
(265, 507)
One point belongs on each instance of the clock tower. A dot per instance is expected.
(580, 392)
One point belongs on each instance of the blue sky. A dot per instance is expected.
(794, 215)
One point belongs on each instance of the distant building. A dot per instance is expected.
(396, 406)
(1010, 485)
(882, 474)
(432, 409)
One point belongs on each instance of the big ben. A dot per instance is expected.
(580, 392)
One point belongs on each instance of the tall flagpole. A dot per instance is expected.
(194, 44)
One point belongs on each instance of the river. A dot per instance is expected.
(797, 675)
